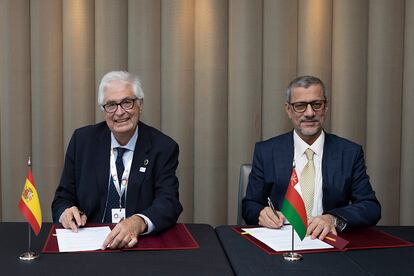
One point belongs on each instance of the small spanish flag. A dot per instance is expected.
(29, 203)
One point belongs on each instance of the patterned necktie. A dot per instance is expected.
(113, 196)
(307, 183)
(119, 162)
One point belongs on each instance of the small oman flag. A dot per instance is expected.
(29, 204)
(293, 207)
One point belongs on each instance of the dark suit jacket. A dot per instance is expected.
(85, 176)
(346, 189)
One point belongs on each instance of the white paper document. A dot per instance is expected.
(86, 239)
(281, 239)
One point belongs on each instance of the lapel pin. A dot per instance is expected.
(142, 169)
(145, 162)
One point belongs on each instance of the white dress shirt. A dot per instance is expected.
(301, 160)
(127, 157)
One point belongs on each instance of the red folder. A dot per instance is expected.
(357, 239)
(336, 241)
(176, 237)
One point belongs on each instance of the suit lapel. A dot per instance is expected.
(102, 164)
(283, 160)
(140, 162)
(330, 163)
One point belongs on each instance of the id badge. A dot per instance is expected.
(118, 214)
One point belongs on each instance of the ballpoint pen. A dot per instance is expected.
(269, 202)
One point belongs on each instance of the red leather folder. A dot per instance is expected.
(175, 238)
(336, 241)
(357, 239)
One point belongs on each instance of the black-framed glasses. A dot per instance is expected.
(301, 107)
(126, 104)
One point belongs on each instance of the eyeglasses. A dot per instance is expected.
(301, 107)
(126, 104)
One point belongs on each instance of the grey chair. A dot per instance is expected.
(243, 181)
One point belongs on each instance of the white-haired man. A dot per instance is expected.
(119, 171)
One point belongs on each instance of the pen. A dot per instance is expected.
(269, 202)
(331, 239)
(81, 213)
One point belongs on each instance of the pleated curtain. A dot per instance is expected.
(214, 73)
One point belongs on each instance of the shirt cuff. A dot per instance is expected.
(150, 225)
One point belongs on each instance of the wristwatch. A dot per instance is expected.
(339, 223)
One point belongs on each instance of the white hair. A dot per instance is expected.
(123, 76)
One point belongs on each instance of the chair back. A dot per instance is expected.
(243, 181)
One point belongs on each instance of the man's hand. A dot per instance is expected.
(268, 219)
(72, 218)
(125, 233)
(320, 226)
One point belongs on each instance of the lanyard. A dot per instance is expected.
(120, 188)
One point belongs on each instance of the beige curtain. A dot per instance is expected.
(214, 74)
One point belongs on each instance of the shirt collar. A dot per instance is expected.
(316, 147)
(130, 145)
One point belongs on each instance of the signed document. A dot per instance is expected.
(86, 239)
(281, 239)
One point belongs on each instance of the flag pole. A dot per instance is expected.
(29, 255)
(293, 256)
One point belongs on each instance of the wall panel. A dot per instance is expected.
(407, 126)
(349, 69)
(78, 66)
(315, 42)
(210, 116)
(385, 64)
(245, 84)
(15, 107)
(214, 73)
(177, 90)
(144, 54)
(280, 30)
(47, 97)
(111, 40)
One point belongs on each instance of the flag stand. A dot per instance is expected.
(29, 255)
(292, 256)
